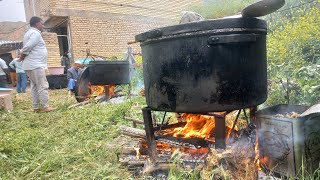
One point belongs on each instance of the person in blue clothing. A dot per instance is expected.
(16, 64)
(4, 70)
(73, 76)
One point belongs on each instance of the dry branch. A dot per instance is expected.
(80, 104)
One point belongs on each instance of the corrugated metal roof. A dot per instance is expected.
(7, 46)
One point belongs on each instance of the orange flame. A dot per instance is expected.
(138, 154)
(96, 90)
(257, 158)
(197, 125)
(99, 90)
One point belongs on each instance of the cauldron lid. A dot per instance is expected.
(251, 23)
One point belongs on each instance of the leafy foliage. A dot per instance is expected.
(294, 60)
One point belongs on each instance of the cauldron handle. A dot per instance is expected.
(233, 38)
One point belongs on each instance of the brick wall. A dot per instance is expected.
(52, 45)
(169, 9)
(108, 37)
(107, 26)
(156, 8)
(12, 31)
(41, 8)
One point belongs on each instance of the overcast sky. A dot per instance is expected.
(12, 10)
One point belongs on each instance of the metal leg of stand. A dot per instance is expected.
(220, 132)
(253, 111)
(150, 134)
(107, 92)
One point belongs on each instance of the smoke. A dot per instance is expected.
(137, 81)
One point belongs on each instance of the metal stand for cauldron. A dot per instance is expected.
(220, 133)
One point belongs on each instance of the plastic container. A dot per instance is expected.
(56, 70)
(5, 91)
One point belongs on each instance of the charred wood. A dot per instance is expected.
(168, 126)
(187, 142)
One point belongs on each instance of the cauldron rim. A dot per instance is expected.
(212, 24)
(107, 62)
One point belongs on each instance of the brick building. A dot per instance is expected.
(11, 32)
(104, 26)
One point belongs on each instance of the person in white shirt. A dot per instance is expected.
(3, 71)
(16, 64)
(34, 55)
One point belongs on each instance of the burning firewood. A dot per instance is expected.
(237, 161)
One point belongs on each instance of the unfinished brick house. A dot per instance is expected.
(104, 26)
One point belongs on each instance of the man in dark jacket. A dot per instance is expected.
(72, 76)
(65, 61)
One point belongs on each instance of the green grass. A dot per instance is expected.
(64, 144)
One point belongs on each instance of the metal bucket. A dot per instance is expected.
(285, 143)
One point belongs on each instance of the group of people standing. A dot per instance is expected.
(18, 76)
(32, 63)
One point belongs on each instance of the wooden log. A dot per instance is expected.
(132, 162)
(168, 126)
(134, 121)
(101, 98)
(80, 104)
(132, 132)
(97, 99)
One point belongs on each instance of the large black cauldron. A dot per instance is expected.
(109, 72)
(102, 73)
(214, 65)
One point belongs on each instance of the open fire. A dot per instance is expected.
(191, 138)
(97, 90)
(242, 155)
(190, 134)
(199, 126)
